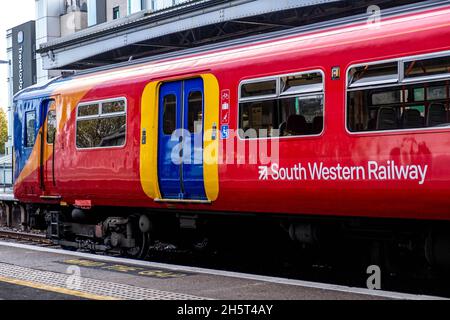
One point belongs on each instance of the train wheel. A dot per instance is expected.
(142, 246)
(4, 215)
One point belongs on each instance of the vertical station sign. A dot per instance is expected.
(23, 56)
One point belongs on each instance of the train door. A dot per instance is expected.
(47, 157)
(180, 142)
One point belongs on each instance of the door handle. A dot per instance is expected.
(144, 136)
(214, 132)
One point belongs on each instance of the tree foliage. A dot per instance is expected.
(3, 130)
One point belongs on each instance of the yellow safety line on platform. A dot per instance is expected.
(45, 287)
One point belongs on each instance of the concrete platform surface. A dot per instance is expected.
(31, 272)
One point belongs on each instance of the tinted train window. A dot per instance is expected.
(113, 107)
(403, 105)
(30, 123)
(427, 67)
(296, 110)
(195, 112)
(101, 125)
(301, 84)
(257, 89)
(88, 110)
(102, 132)
(373, 74)
(259, 117)
(51, 126)
(170, 114)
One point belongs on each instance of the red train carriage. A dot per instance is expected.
(345, 122)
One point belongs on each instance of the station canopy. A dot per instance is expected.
(190, 25)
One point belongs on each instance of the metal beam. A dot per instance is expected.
(262, 23)
(155, 45)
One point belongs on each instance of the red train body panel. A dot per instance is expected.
(112, 177)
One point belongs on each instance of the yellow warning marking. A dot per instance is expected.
(45, 287)
(152, 273)
(85, 263)
(122, 268)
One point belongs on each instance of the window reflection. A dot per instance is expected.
(51, 127)
(195, 112)
(101, 130)
(170, 114)
(30, 120)
(297, 110)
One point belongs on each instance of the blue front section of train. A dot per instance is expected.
(29, 100)
(22, 150)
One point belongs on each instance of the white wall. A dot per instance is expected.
(110, 4)
(73, 22)
(48, 27)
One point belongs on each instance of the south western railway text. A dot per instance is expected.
(372, 171)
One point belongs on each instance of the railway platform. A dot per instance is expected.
(42, 273)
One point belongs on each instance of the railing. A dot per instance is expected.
(6, 176)
(6, 173)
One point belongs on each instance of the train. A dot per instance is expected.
(339, 128)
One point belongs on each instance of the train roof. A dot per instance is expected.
(45, 89)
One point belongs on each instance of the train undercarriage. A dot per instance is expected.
(394, 245)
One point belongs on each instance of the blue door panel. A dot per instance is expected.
(180, 155)
(193, 168)
(169, 171)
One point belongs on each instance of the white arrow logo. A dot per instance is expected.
(263, 173)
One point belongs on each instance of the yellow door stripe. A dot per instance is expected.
(45, 287)
(210, 145)
(149, 149)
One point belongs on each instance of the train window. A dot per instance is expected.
(436, 92)
(298, 109)
(415, 96)
(30, 135)
(51, 126)
(386, 97)
(427, 67)
(113, 107)
(88, 110)
(305, 83)
(195, 112)
(413, 106)
(257, 118)
(170, 114)
(101, 130)
(373, 74)
(258, 89)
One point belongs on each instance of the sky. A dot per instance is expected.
(14, 13)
